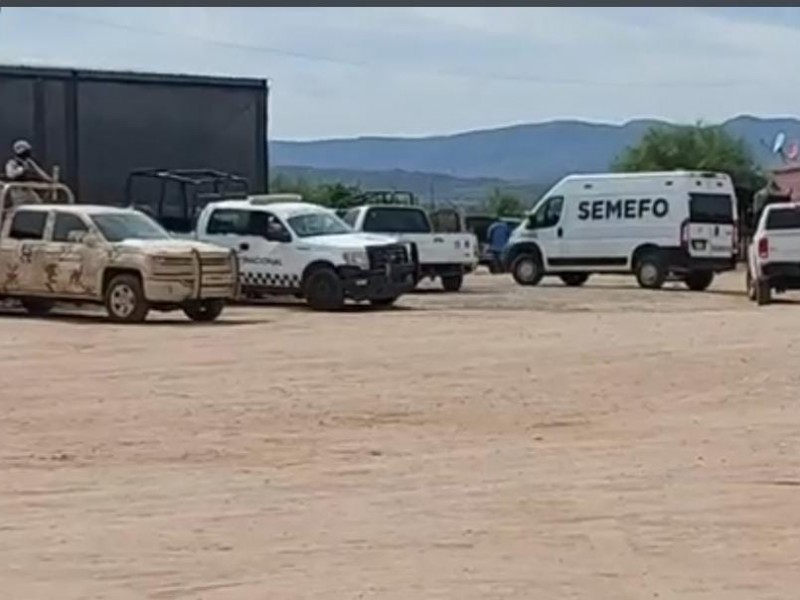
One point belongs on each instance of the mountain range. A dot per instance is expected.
(466, 165)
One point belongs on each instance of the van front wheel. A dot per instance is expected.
(527, 270)
(697, 281)
(650, 272)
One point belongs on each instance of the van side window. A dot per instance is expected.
(227, 221)
(548, 214)
(28, 225)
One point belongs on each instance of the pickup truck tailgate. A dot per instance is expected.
(443, 248)
(784, 245)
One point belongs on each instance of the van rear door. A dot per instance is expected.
(710, 230)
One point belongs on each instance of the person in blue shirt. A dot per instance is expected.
(497, 236)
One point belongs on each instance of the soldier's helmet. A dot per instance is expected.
(22, 147)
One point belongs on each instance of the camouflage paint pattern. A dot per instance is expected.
(76, 270)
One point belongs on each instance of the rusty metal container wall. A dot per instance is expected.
(98, 126)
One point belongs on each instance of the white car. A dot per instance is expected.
(655, 225)
(773, 256)
(448, 256)
(306, 250)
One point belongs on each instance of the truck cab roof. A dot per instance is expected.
(280, 209)
(79, 209)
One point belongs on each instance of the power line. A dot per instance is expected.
(499, 77)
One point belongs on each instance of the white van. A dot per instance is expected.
(655, 225)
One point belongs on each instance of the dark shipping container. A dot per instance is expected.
(98, 126)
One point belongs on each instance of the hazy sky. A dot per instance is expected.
(415, 71)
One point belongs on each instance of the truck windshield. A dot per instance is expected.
(711, 208)
(117, 227)
(318, 223)
(396, 220)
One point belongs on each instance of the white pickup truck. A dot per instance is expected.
(773, 256)
(448, 256)
(286, 246)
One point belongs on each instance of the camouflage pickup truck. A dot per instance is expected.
(112, 256)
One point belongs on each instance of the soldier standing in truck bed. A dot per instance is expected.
(22, 168)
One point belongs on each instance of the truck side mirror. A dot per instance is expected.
(276, 233)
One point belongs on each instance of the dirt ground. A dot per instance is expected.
(504, 442)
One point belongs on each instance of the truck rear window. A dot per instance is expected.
(711, 208)
(783, 218)
(396, 220)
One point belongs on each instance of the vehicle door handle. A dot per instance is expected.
(560, 232)
(244, 247)
(438, 240)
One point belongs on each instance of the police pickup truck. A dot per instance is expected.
(773, 256)
(679, 225)
(83, 254)
(286, 246)
(448, 256)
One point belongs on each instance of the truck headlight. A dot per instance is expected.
(357, 258)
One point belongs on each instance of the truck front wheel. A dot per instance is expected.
(125, 301)
(452, 283)
(204, 311)
(324, 290)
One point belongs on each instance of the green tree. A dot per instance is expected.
(503, 204)
(333, 195)
(692, 147)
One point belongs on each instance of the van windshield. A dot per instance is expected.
(711, 208)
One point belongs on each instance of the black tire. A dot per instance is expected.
(452, 283)
(383, 302)
(650, 271)
(125, 301)
(698, 281)
(324, 290)
(204, 311)
(38, 307)
(527, 269)
(574, 279)
(763, 292)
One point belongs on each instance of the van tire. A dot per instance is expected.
(574, 279)
(527, 269)
(204, 311)
(38, 307)
(698, 281)
(125, 301)
(763, 292)
(650, 271)
(452, 283)
(323, 290)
